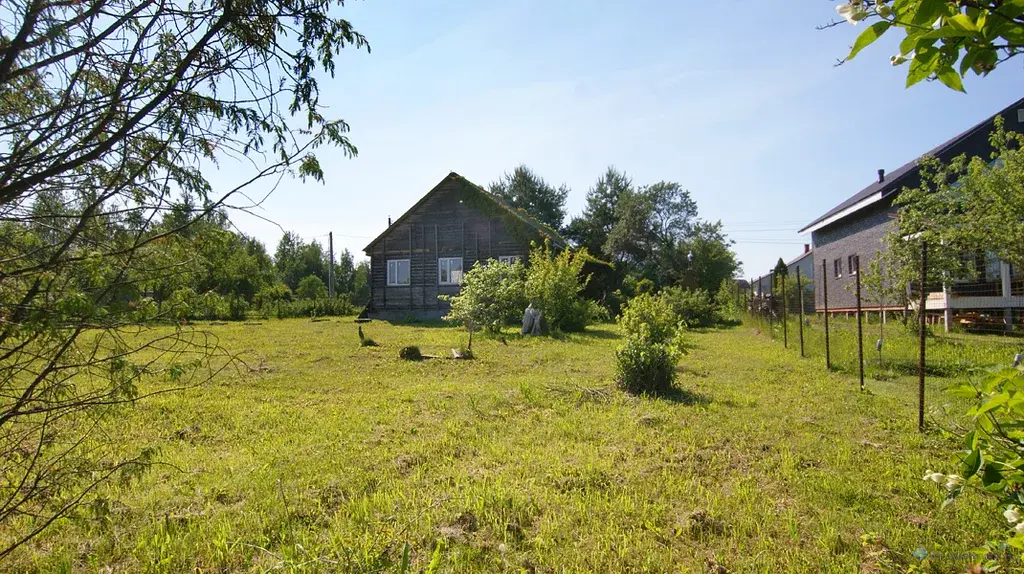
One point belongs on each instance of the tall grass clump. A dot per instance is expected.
(646, 363)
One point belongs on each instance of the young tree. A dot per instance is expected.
(961, 208)
(524, 189)
(311, 288)
(942, 39)
(114, 110)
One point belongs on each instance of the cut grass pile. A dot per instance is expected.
(331, 456)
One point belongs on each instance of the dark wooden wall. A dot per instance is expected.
(453, 222)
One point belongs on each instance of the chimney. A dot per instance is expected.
(881, 176)
(807, 247)
(389, 221)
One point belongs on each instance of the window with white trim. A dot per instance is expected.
(837, 268)
(510, 259)
(853, 264)
(398, 272)
(449, 270)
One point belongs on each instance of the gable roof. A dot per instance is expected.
(542, 229)
(893, 180)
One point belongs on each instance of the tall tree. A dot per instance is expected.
(649, 220)
(591, 229)
(114, 110)
(524, 189)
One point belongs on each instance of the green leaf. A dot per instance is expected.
(993, 402)
(961, 22)
(927, 12)
(991, 475)
(952, 79)
(922, 66)
(971, 440)
(867, 37)
(971, 464)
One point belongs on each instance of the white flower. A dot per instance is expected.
(882, 10)
(936, 477)
(852, 12)
(954, 481)
(1012, 514)
(1019, 528)
(898, 59)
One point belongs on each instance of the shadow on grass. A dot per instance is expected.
(595, 334)
(685, 397)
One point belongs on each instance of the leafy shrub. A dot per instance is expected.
(650, 318)
(993, 451)
(645, 363)
(271, 294)
(212, 307)
(492, 295)
(553, 284)
(238, 308)
(336, 307)
(645, 368)
(311, 287)
(693, 307)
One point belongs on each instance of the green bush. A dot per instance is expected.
(553, 284)
(649, 317)
(311, 287)
(271, 294)
(990, 462)
(336, 307)
(645, 364)
(693, 307)
(492, 295)
(645, 368)
(238, 308)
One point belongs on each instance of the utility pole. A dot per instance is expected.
(330, 266)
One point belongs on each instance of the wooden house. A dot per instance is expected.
(424, 253)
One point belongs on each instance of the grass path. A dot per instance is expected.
(334, 457)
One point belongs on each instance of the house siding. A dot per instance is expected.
(452, 222)
(862, 232)
(863, 235)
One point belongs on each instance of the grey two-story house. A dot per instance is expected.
(848, 236)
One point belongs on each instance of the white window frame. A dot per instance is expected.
(853, 262)
(393, 277)
(441, 265)
(510, 259)
(837, 268)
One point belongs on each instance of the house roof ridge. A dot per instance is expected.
(898, 174)
(515, 212)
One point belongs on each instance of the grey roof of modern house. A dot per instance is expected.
(893, 181)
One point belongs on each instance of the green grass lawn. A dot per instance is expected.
(328, 457)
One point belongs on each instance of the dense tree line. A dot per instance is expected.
(652, 234)
(221, 273)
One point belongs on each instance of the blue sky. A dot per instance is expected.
(737, 100)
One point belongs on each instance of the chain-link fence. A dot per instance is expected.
(966, 324)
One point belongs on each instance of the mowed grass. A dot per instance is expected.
(330, 457)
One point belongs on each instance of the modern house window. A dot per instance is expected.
(853, 264)
(510, 259)
(398, 272)
(449, 270)
(837, 268)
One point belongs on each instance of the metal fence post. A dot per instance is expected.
(860, 331)
(921, 336)
(824, 290)
(800, 290)
(785, 314)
